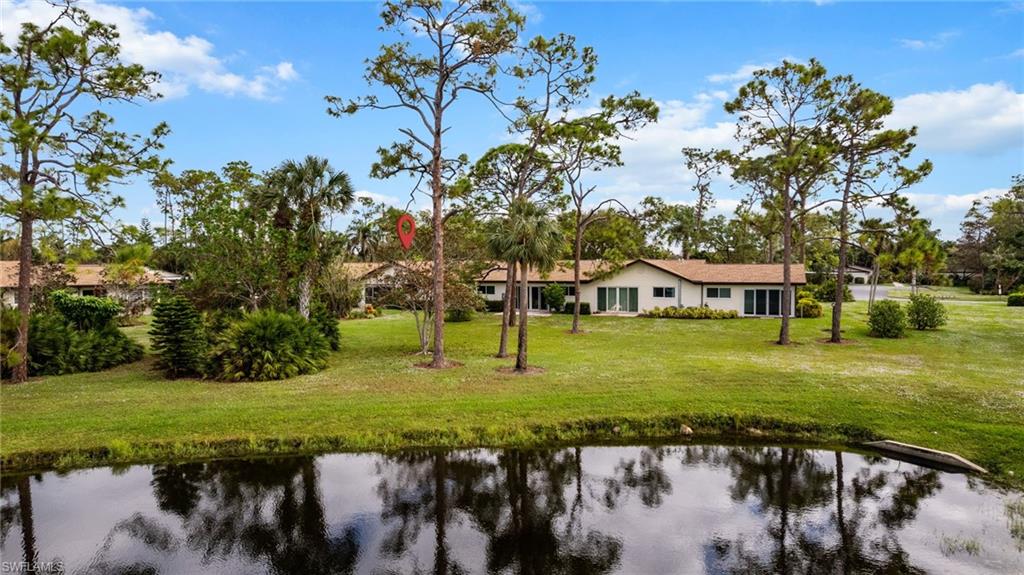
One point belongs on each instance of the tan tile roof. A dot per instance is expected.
(696, 271)
(699, 271)
(86, 275)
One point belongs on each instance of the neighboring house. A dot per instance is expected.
(638, 285)
(88, 280)
(858, 274)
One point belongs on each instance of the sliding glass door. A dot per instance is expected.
(766, 302)
(624, 299)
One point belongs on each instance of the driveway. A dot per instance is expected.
(861, 292)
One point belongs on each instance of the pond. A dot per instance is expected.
(646, 509)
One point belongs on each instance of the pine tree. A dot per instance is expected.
(177, 336)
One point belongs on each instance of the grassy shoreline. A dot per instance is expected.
(958, 389)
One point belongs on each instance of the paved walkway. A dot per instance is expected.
(862, 292)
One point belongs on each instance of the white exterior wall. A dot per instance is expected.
(736, 301)
(645, 278)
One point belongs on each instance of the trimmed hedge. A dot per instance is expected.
(691, 313)
(1015, 299)
(887, 319)
(570, 307)
(85, 311)
(494, 306)
(267, 345)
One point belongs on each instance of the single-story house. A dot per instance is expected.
(88, 280)
(639, 284)
(858, 274)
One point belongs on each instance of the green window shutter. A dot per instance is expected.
(602, 299)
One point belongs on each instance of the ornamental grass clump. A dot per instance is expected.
(268, 345)
(925, 312)
(887, 319)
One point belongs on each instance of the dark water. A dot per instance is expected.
(693, 509)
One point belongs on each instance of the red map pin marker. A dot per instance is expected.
(403, 235)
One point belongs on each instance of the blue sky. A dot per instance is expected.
(245, 81)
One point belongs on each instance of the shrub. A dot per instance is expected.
(554, 296)
(456, 315)
(691, 313)
(804, 293)
(1015, 299)
(85, 311)
(55, 347)
(570, 306)
(808, 307)
(178, 338)
(494, 306)
(887, 319)
(327, 324)
(925, 312)
(371, 312)
(268, 345)
(826, 291)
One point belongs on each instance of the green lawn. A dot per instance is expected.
(960, 293)
(959, 389)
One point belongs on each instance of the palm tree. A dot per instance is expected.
(529, 238)
(304, 194)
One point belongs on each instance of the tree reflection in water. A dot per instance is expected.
(536, 511)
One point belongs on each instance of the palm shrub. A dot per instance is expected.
(178, 338)
(327, 323)
(1015, 299)
(266, 345)
(887, 319)
(56, 347)
(925, 312)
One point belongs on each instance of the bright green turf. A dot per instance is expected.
(960, 293)
(959, 389)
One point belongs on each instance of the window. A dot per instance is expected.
(570, 291)
(485, 290)
(664, 292)
(618, 299)
(713, 293)
(762, 302)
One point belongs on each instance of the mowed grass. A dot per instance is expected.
(959, 389)
(961, 293)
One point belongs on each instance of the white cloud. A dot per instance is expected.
(741, 74)
(1018, 53)
(934, 43)
(652, 156)
(184, 62)
(936, 205)
(984, 118)
(378, 198)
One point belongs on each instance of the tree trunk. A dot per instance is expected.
(875, 272)
(515, 278)
(913, 280)
(437, 220)
(305, 293)
(577, 254)
(844, 234)
(24, 297)
(787, 262)
(524, 304)
(506, 311)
